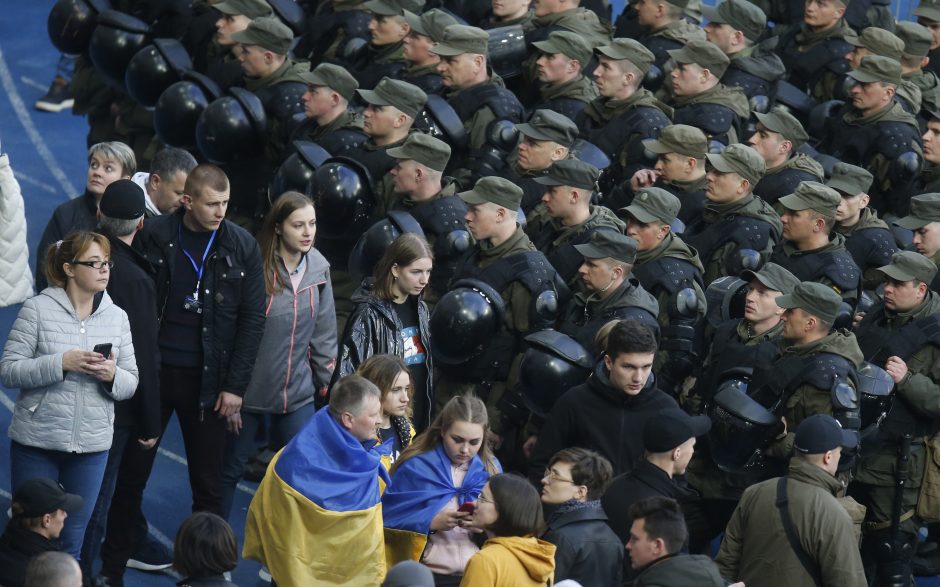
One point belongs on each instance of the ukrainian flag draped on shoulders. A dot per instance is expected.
(421, 487)
(316, 518)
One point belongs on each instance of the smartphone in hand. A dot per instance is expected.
(467, 507)
(103, 349)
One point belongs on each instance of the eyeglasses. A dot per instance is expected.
(552, 476)
(484, 500)
(99, 265)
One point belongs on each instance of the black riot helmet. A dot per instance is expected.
(553, 364)
(177, 111)
(875, 390)
(464, 321)
(154, 69)
(506, 50)
(117, 38)
(372, 244)
(741, 427)
(72, 22)
(291, 14)
(725, 299)
(439, 119)
(342, 191)
(588, 152)
(296, 172)
(231, 128)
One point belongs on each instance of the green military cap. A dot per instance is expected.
(917, 38)
(879, 42)
(740, 159)
(431, 24)
(925, 209)
(408, 98)
(570, 44)
(571, 172)
(495, 190)
(459, 39)
(680, 4)
(334, 77)
(741, 15)
(850, 179)
(653, 205)
(679, 138)
(876, 68)
(267, 32)
(548, 125)
(609, 244)
(910, 266)
(812, 195)
(813, 298)
(428, 151)
(704, 54)
(929, 9)
(249, 8)
(773, 277)
(780, 121)
(630, 50)
(393, 7)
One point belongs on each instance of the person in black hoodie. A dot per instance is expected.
(607, 413)
(586, 549)
(39, 509)
(669, 442)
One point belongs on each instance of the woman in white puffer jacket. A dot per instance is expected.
(63, 420)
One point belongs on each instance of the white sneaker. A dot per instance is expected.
(265, 575)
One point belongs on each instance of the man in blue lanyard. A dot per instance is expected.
(210, 299)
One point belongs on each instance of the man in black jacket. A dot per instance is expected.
(586, 549)
(607, 414)
(210, 295)
(39, 509)
(137, 421)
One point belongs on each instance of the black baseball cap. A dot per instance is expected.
(821, 433)
(41, 496)
(669, 428)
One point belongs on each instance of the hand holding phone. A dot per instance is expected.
(103, 350)
(467, 507)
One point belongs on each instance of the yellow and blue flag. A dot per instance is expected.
(316, 518)
(421, 487)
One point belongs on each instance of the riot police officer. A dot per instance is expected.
(900, 336)
(736, 226)
(876, 41)
(546, 138)
(876, 133)
(867, 238)
(736, 27)
(566, 217)
(382, 56)
(814, 52)
(328, 120)
(671, 271)
(217, 58)
(700, 99)
(777, 138)
(563, 86)
(680, 169)
(608, 290)
(665, 29)
(626, 112)
(426, 30)
(924, 220)
(810, 250)
(917, 40)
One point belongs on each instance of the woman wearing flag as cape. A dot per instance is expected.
(316, 518)
(425, 511)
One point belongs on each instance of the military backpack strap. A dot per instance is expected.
(810, 565)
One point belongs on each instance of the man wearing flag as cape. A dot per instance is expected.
(317, 518)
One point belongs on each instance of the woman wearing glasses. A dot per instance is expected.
(435, 481)
(70, 354)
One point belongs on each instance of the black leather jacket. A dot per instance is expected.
(587, 550)
(233, 300)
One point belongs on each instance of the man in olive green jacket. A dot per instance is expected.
(756, 548)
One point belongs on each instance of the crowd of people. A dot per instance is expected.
(515, 293)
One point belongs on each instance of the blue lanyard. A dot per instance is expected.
(198, 268)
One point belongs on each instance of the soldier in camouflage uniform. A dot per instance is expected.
(778, 136)
(736, 225)
(671, 271)
(328, 120)
(625, 113)
(867, 238)
(735, 27)
(873, 131)
(701, 100)
(810, 249)
(566, 217)
(924, 220)
(898, 336)
(563, 86)
(426, 30)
